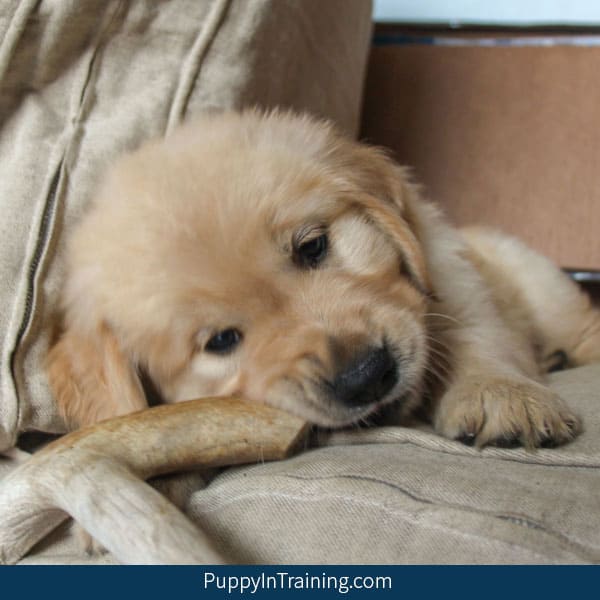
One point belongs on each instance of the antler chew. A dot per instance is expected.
(96, 476)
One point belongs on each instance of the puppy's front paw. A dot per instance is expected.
(504, 412)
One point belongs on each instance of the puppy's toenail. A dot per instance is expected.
(557, 361)
(467, 438)
(548, 442)
(507, 441)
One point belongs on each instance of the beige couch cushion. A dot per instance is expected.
(81, 81)
(398, 495)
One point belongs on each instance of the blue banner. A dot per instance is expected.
(309, 582)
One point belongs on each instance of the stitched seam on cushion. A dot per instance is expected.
(357, 500)
(193, 62)
(516, 519)
(42, 237)
(577, 548)
(36, 257)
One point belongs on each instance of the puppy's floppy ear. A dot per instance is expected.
(388, 200)
(91, 378)
(401, 234)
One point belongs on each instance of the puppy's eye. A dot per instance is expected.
(224, 341)
(311, 253)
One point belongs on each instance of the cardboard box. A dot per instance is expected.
(501, 130)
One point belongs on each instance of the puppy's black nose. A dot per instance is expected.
(367, 378)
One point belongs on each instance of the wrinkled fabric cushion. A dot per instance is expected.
(82, 81)
(399, 495)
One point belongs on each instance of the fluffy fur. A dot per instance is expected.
(200, 233)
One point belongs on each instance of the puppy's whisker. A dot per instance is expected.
(443, 377)
(439, 368)
(443, 356)
(436, 341)
(442, 353)
(438, 371)
(443, 316)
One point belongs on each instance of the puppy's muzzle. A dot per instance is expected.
(366, 379)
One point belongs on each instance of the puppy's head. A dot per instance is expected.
(251, 254)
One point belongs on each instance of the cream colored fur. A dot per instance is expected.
(197, 233)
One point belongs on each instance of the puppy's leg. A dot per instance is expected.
(494, 391)
(495, 395)
(490, 407)
(91, 378)
(565, 321)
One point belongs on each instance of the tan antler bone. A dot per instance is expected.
(96, 475)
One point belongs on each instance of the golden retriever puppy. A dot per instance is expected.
(266, 255)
